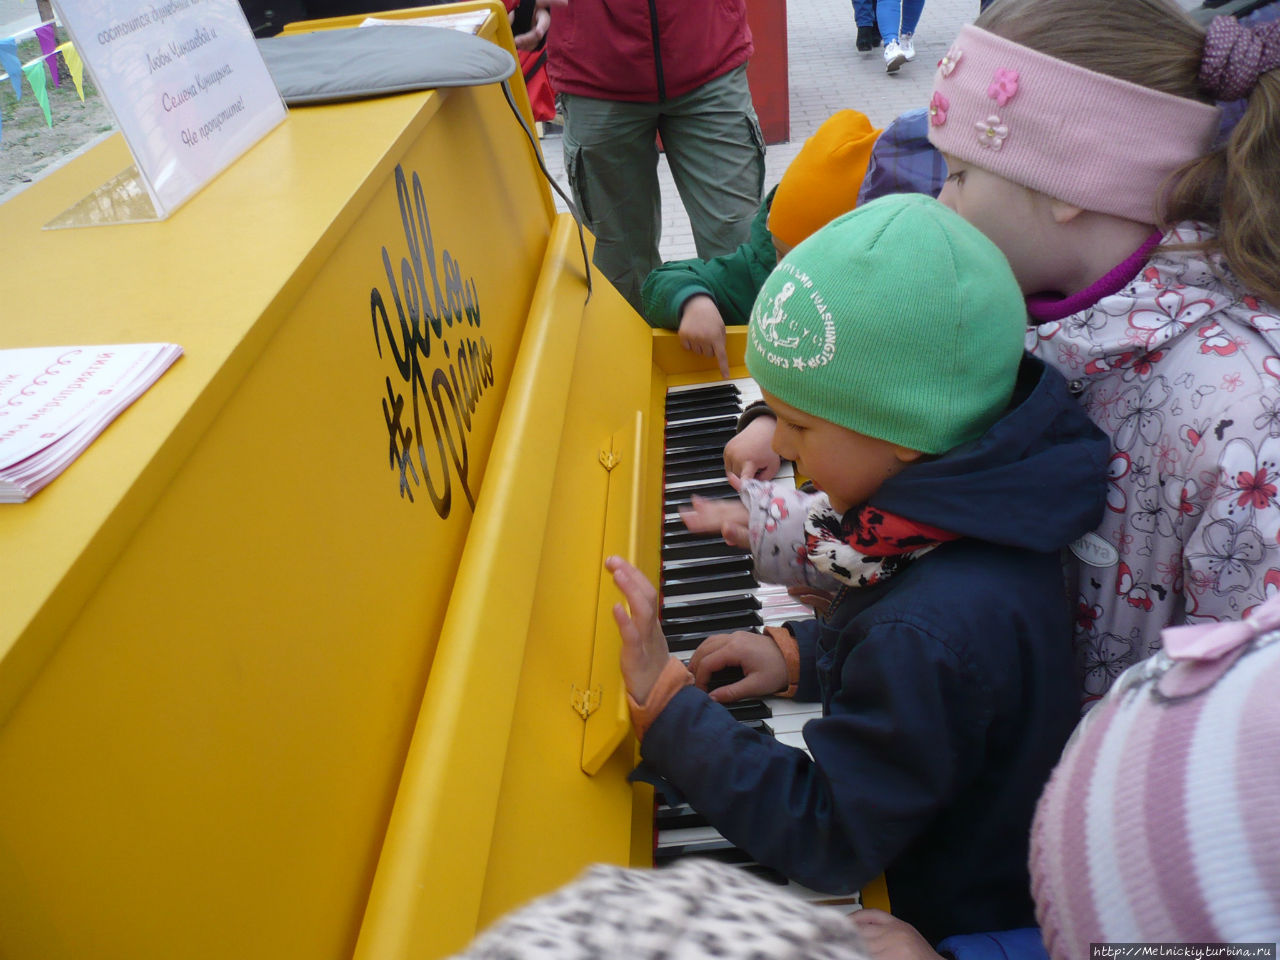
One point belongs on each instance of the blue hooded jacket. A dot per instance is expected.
(948, 690)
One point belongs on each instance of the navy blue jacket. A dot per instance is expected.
(948, 690)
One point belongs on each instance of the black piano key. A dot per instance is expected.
(687, 428)
(677, 545)
(710, 606)
(675, 531)
(707, 388)
(715, 487)
(716, 621)
(673, 499)
(706, 565)
(710, 484)
(705, 448)
(700, 434)
(698, 471)
(718, 583)
(724, 677)
(715, 848)
(709, 447)
(677, 429)
(688, 457)
(750, 709)
(720, 408)
(708, 394)
(767, 874)
(677, 817)
(691, 550)
(725, 623)
(690, 639)
(679, 642)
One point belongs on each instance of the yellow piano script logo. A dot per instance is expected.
(449, 390)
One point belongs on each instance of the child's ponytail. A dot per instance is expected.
(1237, 187)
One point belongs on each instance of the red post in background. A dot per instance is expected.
(767, 69)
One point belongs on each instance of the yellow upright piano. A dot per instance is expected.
(310, 655)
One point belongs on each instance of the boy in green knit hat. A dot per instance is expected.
(951, 470)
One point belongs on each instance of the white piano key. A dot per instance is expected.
(685, 835)
(795, 739)
(787, 724)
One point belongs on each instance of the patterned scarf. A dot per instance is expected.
(870, 547)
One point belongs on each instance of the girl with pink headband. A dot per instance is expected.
(1082, 136)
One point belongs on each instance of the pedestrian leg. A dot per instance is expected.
(716, 153)
(611, 162)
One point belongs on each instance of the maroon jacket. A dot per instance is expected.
(644, 51)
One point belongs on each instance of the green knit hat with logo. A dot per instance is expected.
(899, 320)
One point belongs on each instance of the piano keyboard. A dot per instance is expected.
(708, 587)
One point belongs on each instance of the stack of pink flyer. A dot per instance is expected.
(55, 400)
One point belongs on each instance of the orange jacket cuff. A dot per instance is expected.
(790, 651)
(675, 676)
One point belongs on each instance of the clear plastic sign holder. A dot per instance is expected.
(188, 89)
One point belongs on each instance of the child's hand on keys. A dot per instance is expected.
(726, 517)
(888, 938)
(818, 600)
(763, 667)
(702, 330)
(750, 453)
(644, 647)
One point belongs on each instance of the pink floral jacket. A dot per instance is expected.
(1182, 371)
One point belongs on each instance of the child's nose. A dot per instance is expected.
(948, 195)
(780, 446)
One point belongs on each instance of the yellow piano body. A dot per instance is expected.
(275, 682)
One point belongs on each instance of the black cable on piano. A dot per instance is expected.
(537, 153)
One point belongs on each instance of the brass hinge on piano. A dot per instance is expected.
(584, 702)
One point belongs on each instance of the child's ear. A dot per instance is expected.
(907, 455)
(1063, 212)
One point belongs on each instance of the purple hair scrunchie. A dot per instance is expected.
(1236, 55)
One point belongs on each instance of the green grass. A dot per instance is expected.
(23, 120)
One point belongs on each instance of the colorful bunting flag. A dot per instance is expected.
(36, 77)
(11, 65)
(75, 66)
(46, 33)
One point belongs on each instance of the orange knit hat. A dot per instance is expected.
(823, 180)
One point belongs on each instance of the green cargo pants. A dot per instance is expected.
(716, 153)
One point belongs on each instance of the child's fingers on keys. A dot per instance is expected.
(707, 646)
(870, 917)
(734, 691)
(736, 534)
(748, 686)
(722, 358)
(699, 516)
(717, 657)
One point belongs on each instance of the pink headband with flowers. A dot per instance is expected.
(1086, 138)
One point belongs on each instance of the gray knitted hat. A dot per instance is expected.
(691, 911)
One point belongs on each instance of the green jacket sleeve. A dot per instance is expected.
(732, 280)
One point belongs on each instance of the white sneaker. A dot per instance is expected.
(908, 48)
(893, 56)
